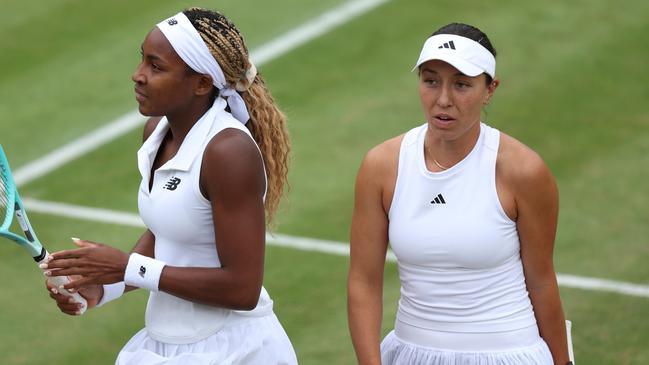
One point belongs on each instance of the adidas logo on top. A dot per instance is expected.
(439, 199)
(448, 45)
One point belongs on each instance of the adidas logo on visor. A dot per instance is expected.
(448, 45)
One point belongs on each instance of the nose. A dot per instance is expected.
(138, 75)
(444, 100)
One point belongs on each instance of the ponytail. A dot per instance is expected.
(267, 123)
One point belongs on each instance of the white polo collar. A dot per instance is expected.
(191, 147)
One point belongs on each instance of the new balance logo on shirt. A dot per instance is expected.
(448, 45)
(439, 199)
(172, 184)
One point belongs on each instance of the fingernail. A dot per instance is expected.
(43, 266)
(77, 313)
(75, 239)
(73, 290)
(55, 291)
(47, 273)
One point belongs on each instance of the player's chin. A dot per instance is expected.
(149, 111)
(146, 110)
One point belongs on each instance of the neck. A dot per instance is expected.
(443, 153)
(180, 123)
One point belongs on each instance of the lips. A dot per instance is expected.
(139, 95)
(444, 118)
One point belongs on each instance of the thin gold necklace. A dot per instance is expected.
(439, 164)
(433, 158)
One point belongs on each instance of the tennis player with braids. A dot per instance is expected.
(213, 165)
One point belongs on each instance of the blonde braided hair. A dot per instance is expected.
(267, 123)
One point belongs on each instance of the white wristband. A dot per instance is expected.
(112, 292)
(143, 272)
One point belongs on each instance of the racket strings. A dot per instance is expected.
(4, 197)
(3, 192)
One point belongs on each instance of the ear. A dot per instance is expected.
(204, 85)
(491, 88)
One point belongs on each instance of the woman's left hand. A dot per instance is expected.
(95, 262)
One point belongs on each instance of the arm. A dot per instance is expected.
(537, 205)
(369, 242)
(232, 179)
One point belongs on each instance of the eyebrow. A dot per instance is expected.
(151, 57)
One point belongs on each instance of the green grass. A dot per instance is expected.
(573, 87)
(66, 65)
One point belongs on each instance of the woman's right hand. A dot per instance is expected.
(67, 305)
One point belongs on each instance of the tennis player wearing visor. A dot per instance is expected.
(471, 215)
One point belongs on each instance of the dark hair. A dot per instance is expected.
(471, 32)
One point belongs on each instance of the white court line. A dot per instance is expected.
(308, 244)
(313, 29)
(124, 124)
(79, 147)
(587, 283)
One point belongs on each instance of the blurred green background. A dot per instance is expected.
(574, 87)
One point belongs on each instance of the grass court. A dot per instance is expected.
(573, 87)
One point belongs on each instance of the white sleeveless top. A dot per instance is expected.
(180, 217)
(458, 253)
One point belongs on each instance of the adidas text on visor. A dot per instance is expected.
(465, 54)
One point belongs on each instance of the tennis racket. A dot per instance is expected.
(10, 205)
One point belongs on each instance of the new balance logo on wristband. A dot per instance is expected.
(448, 45)
(172, 184)
(142, 271)
(439, 199)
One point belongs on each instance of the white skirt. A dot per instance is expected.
(247, 341)
(395, 351)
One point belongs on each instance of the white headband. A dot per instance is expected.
(189, 45)
(465, 54)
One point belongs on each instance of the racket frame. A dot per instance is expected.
(30, 242)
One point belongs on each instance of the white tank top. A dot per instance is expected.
(180, 217)
(458, 253)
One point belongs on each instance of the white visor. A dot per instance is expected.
(465, 54)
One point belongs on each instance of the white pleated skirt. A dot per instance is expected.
(246, 341)
(397, 351)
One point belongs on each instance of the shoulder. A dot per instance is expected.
(234, 151)
(522, 168)
(233, 144)
(149, 127)
(378, 173)
(384, 157)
